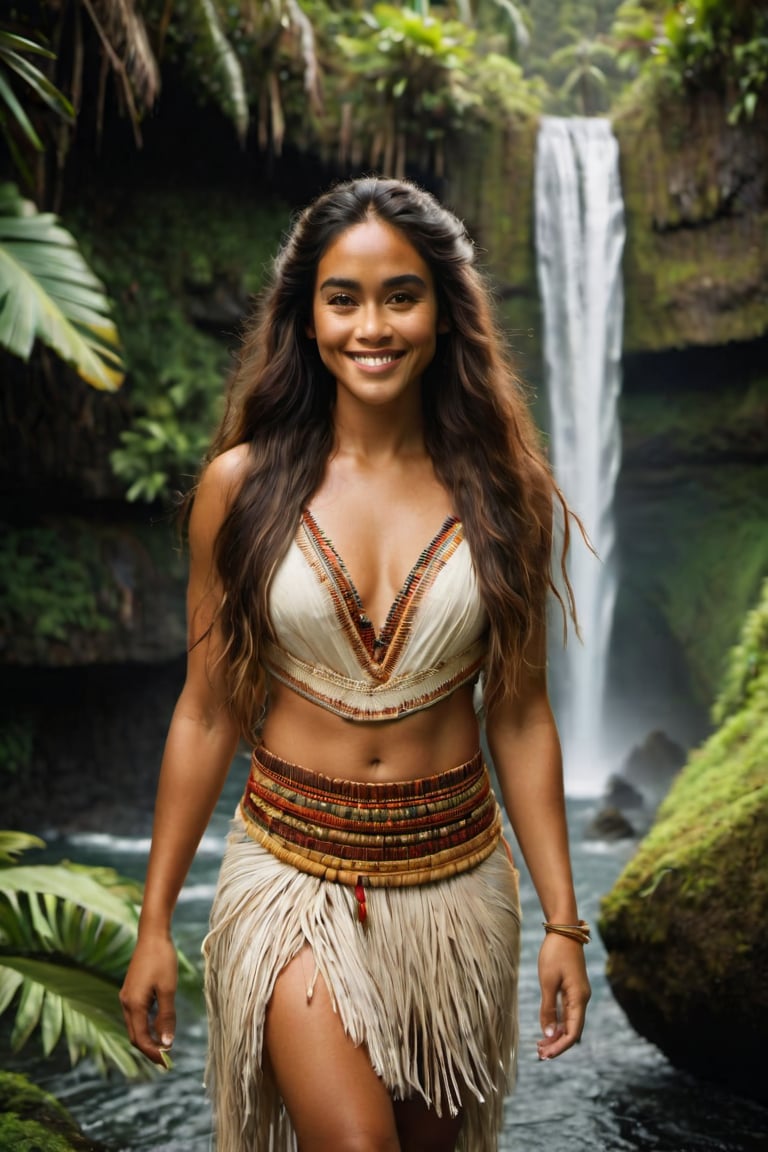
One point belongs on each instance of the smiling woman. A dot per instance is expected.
(371, 537)
(375, 310)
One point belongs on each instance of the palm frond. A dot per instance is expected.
(65, 883)
(67, 933)
(13, 62)
(48, 293)
(68, 1003)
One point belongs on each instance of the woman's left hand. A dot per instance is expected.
(565, 992)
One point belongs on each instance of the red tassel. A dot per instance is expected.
(362, 910)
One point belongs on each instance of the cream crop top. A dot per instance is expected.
(326, 649)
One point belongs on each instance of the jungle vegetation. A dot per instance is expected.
(380, 86)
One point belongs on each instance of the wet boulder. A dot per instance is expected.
(648, 770)
(686, 924)
(609, 824)
(619, 793)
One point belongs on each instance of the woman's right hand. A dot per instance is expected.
(147, 996)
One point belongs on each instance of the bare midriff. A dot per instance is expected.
(421, 744)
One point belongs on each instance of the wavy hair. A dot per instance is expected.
(477, 426)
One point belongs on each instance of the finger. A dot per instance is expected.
(548, 1015)
(137, 1020)
(165, 1019)
(566, 1034)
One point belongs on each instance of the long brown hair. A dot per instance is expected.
(477, 424)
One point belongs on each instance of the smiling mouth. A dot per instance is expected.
(369, 360)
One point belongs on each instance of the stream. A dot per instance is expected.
(615, 1092)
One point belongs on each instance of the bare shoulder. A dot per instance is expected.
(218, 486)
(226, 472)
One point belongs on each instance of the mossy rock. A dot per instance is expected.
(79, 592)
(32, 1120)
(686, 924)
(491, 187)
(696, 255)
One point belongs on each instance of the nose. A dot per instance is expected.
(372, 324)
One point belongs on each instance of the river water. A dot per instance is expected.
(615, 1092)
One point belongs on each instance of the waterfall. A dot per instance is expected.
(579, 221)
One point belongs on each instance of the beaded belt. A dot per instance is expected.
(372, 835)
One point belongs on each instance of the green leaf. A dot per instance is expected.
(10, 982)
(27, 1013)
(12, 40)
(64, 305)
(11, 102)
(12, 844)
(68, 884)
(51, 1023)
(92, 1020)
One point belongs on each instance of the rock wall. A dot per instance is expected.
(696, 200)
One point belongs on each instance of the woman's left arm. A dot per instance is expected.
(525, 747)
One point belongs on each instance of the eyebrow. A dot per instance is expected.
(392, 282)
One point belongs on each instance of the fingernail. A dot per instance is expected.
(549, 1030)
(166, 1040)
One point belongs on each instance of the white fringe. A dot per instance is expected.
(429, 985)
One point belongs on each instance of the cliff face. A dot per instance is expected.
(696, 200)
(692, 495)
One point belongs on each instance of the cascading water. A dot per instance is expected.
(579, 243)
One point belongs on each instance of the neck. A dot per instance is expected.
(378, 434)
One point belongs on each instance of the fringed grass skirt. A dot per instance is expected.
(426, 980)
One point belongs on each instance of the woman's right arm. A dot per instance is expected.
(201, 743)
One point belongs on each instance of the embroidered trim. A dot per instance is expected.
(376, 652)
(354, 699)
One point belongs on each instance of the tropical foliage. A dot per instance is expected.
(14, 66)
(371, 85)
(168, 269)
(48, 293)
(700, 44)
(408, 85)
(67, 933)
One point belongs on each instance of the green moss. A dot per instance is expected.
(714, 567)
(695, 260)
(77, 591)
(491, 185)
(34, 1121)
(54, 581)
(690, 424)
(696, 891)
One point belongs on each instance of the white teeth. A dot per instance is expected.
(374, 361)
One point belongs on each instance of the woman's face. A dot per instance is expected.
(374, 314)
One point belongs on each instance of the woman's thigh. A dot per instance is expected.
(420, 1129)
(334, 1098)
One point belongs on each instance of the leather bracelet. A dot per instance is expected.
(580, 931)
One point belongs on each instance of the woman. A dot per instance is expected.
(373, 533)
